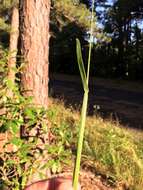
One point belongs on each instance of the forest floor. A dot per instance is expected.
(112, 99)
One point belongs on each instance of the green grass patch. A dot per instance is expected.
(111, 150)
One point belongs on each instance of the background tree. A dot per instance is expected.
(122, 20)
(34, 35)
(13, 42)
(9, 33)
(69, 20)
(119, 20)
(5, 12)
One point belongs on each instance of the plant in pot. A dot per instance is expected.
(69, 182)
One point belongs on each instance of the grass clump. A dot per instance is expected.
(111, 150)
(117, 153)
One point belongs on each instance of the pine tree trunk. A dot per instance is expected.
(13, 43)
(34, 32)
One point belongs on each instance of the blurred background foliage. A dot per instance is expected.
(117, 36)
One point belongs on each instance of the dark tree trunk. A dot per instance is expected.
(34, 33)
(138, 36)
(120, 72)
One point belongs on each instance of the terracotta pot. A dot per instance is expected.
(56, 183)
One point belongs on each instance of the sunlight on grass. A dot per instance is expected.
(113, 151)
(116, 151)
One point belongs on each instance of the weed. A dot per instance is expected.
(30, 146)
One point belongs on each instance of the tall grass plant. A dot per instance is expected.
(85, 81)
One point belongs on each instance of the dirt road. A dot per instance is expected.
(120, 100)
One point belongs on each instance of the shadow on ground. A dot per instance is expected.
(109, 101)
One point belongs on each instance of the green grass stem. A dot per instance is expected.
(80, 141)
(85, 81)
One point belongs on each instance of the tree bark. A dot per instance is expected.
(14, 34)
(34, 32)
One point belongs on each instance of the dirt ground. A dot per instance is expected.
(119, 100)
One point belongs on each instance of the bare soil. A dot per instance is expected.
(116, 99)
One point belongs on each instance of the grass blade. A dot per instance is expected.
(81, 65)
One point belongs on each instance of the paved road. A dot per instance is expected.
(123, 104)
